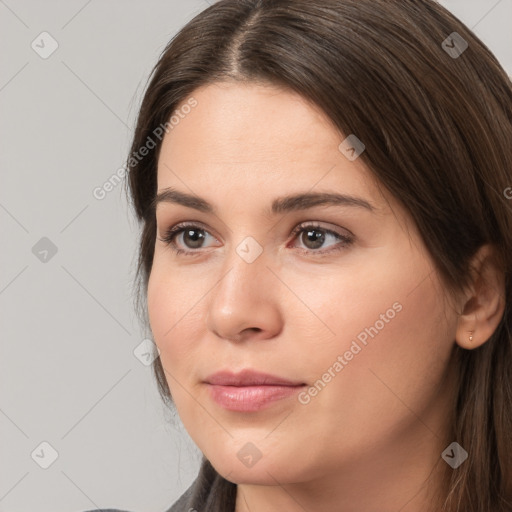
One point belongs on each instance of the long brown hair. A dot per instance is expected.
(437, 127)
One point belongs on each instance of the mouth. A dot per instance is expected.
(249, 390)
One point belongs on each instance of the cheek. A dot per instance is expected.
(160, 312)
(400, 363)
(387, 316)
(176, 315)
(171, 315)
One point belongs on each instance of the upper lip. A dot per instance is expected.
(248, 377)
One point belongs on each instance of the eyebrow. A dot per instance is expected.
(301, 201)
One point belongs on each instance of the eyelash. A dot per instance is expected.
(173, 232)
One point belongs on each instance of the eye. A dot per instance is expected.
(193, 235)
(313, 236)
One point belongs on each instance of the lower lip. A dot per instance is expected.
(249, 398)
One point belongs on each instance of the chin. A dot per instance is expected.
(250, 476)
(265, 471)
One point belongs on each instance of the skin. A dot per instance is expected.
(370, 439)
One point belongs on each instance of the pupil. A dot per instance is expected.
(317, 239)
(194, 239)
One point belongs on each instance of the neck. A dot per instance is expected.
(405, 478)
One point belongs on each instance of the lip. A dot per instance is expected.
(249, 390)
(249, 377)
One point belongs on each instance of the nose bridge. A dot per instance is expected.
(246, 264)
(241, 299)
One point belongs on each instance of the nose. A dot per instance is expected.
(244, 304)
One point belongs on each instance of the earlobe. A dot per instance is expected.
(484, 303)
(469, 340)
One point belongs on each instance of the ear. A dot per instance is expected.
(483, 305)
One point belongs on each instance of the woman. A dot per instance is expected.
(326, 253)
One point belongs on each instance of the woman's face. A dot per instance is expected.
(350, 306)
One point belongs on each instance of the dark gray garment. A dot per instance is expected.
(209, 492)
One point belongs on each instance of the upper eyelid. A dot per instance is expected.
(303, 224)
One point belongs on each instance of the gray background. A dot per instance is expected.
(69, 375)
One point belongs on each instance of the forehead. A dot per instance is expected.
(251, 122)
(243, 138)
